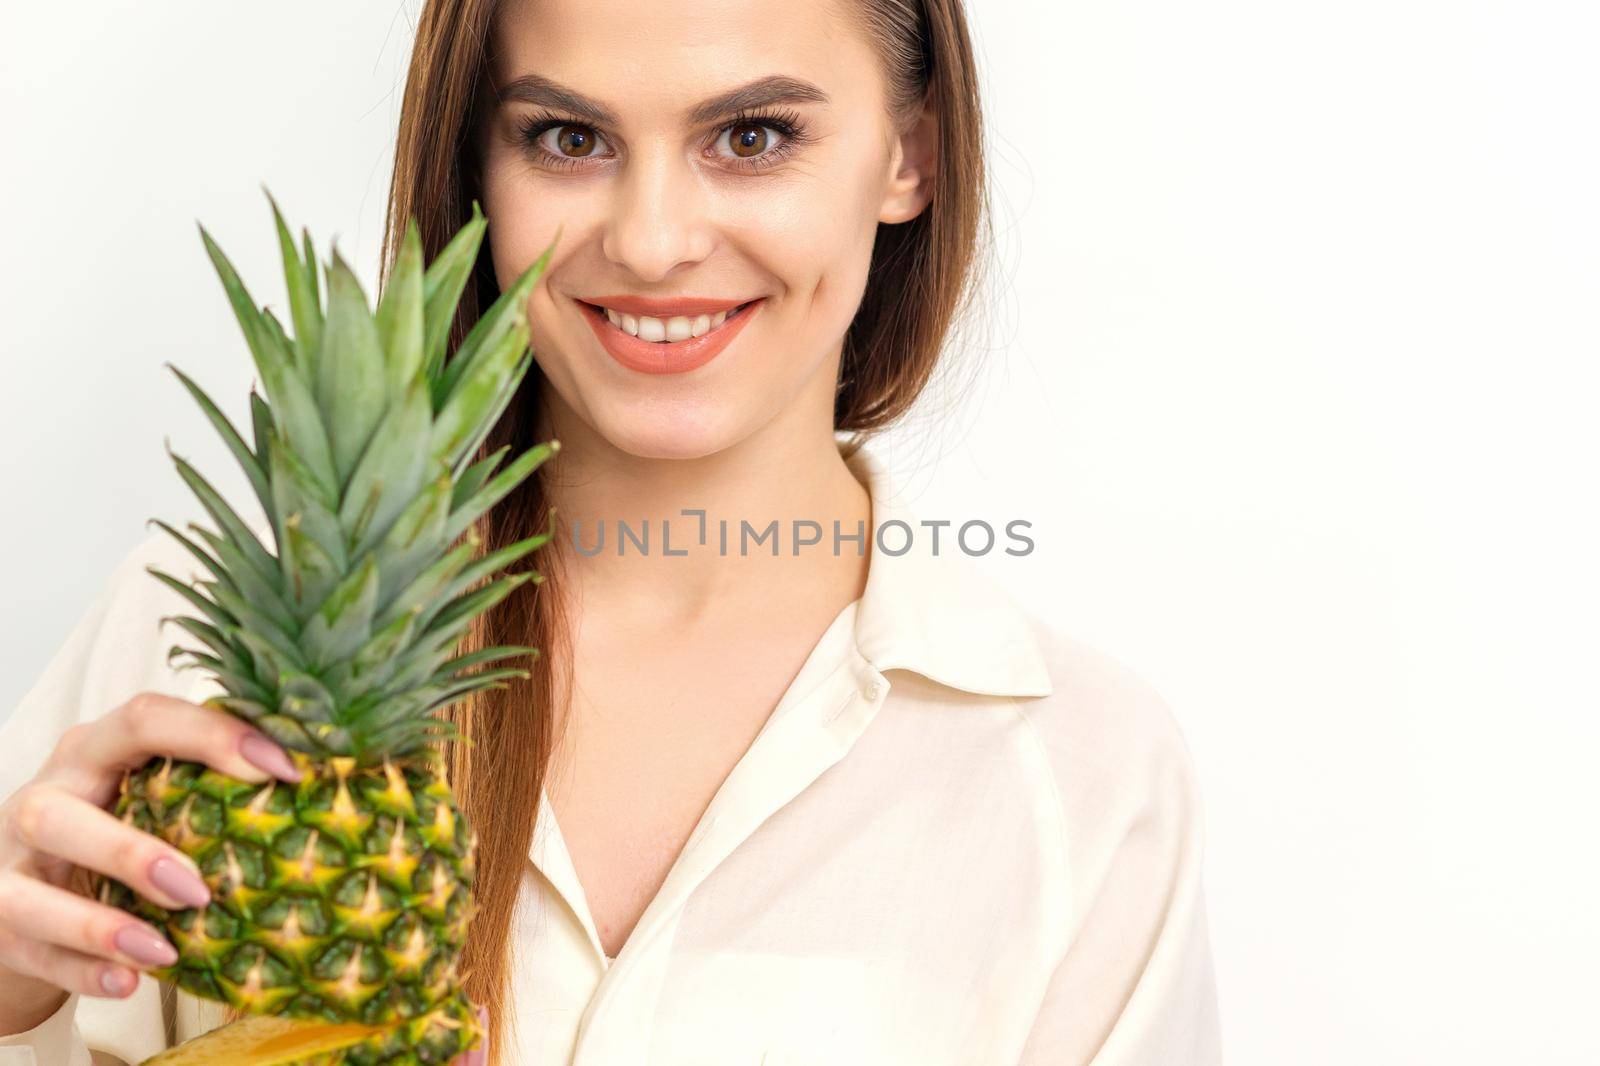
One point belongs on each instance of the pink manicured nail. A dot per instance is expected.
(179, 882)
(260, 752)
(117, 981)
(145, 946)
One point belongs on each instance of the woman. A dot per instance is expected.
(839, 803)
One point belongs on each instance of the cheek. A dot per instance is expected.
(825, 267)
(814, 238)
(523, 216)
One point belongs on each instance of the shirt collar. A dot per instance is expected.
(937, 614)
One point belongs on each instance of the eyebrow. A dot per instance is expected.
(763, 92)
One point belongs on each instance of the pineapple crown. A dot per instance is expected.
(340, 639)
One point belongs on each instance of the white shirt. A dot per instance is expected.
(960, 838)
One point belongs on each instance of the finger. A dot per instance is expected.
(66, 969)
(153, 724)
(57, 823)
(35, 910)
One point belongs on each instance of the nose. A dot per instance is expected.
(659, 218)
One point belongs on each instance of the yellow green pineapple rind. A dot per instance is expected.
(437, 1038)
(345, 897)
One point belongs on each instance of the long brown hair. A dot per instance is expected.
(921, 279)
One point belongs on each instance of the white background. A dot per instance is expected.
(1295, 322)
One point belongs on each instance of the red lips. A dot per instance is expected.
(666, 357)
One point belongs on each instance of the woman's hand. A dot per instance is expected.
(54, 941)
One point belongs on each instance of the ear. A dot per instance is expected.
(912, 165)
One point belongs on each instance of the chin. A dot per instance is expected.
(669, 432)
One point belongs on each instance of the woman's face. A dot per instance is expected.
(616, 121)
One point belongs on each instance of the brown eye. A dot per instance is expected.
(748, 140)
(576, 142)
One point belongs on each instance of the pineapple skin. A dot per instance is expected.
(437, 1037)
(257, 1040)
(344, 896)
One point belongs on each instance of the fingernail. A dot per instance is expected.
(262, 753)
(179, 882)
(145, 946)
(117, 981)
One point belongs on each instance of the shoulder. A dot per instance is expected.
(1117, 761)
(116, 648)
(1102, 720)
(130, 649)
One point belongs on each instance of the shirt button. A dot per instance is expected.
(872, 690)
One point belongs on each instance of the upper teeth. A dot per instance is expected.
(677, 328)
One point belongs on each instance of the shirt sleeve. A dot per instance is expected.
(1134, 984)
(116, 649)
(47, 709)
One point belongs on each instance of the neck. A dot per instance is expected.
(789, 470)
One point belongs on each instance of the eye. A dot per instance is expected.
(557, 142)
(753, 142)
(750, 140)
(761, 140)
(572, 142)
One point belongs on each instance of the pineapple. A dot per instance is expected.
(340, 904)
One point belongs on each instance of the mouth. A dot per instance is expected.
(666, 330)
(666, 345)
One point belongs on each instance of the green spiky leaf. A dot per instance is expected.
(508, 313)
(442, 285)
(340, 636)
(230, 436)
(401, 315)
(352, 389)
(303, 303)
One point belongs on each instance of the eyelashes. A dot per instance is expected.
(789, 125)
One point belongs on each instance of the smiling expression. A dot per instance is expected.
(718, 169)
